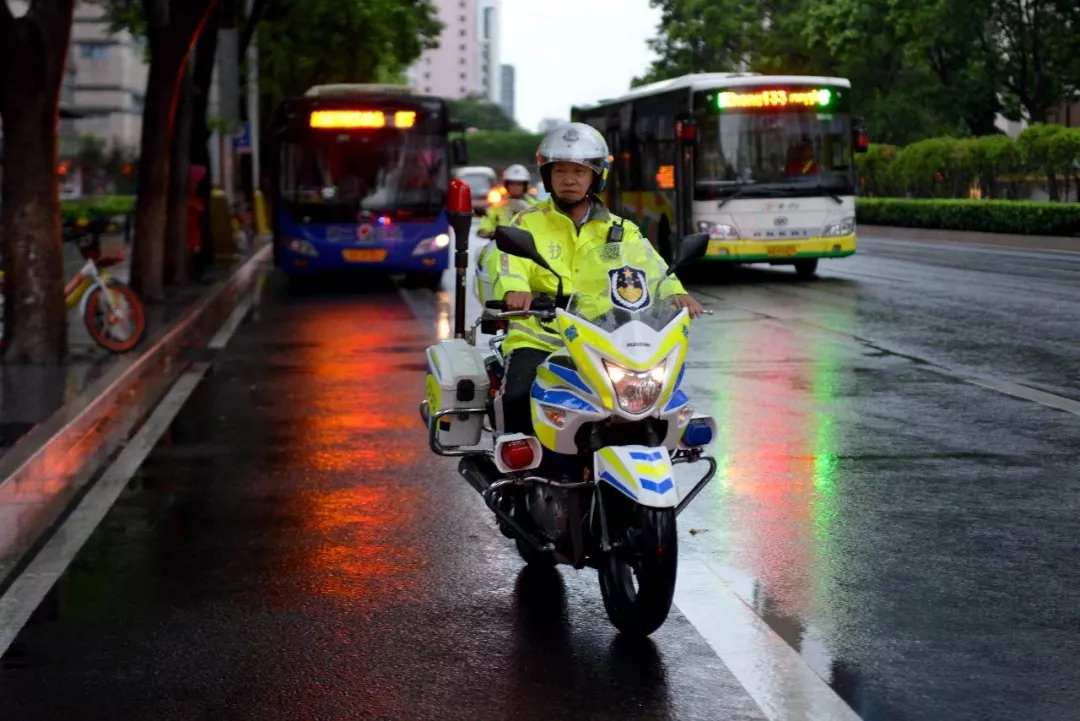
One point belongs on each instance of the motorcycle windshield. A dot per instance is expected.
(619, 283)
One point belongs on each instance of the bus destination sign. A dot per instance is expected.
(793, 98)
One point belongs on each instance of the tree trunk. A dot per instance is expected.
(176, 244)
(34, 312)
(205, 56)
(151, 204)
(174, 29)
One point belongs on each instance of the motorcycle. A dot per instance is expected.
(594, 486)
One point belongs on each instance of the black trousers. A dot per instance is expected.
(517, 388)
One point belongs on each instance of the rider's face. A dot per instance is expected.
(570, 180)
(515, 189)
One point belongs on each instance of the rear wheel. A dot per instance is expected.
(637, 582)
(806, 269)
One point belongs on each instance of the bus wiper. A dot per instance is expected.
(824, 188)
(743, 188)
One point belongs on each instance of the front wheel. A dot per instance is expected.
(425, 279)
(638, 581)
(806, 269)
(116, 324)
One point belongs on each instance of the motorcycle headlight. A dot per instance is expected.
(718, 231)
(835, 229)
(636, 391)
(432, 245)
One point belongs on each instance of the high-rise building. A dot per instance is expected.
(506, 91)
(467, 60)
(110, 78)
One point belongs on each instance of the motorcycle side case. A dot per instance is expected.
(457, 378)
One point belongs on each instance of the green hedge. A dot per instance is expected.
(95, 207)
(952, 167)
(989, 216)
(499, 148)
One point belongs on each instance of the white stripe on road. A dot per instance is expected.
(28, 590)
(772, 672)
(32, 585)
(1030, 394)
(235, 319)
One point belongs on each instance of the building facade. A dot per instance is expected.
(466, 62)
(506, 90)
(110, 78)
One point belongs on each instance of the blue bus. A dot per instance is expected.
(360, 179)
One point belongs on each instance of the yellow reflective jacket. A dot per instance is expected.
(559, 242)
(501, 214)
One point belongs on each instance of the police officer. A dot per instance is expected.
(516, 181)
(573, 162)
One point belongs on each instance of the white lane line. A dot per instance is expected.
(235, 319)
(776, 677)
(30, 588)
(1030, 394)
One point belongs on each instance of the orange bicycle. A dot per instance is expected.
(114, 315)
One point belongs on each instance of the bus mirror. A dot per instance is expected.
(459, 152)
(691, 249)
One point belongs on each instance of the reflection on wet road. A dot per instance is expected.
(292, 550)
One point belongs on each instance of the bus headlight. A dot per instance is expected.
(718, 231)
(636, 392)
(835, 229)
(432, 245)
(302, 247)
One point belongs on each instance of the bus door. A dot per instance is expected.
(614, 186)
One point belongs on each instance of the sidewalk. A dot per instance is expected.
(29, 394)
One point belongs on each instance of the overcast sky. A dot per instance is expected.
(568, 52)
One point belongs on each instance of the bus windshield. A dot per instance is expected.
(332, 176)
(797, 153)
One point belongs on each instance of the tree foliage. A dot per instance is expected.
(340, 41)
(480, 114)
(918, 68)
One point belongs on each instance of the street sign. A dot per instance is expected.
(242, 139)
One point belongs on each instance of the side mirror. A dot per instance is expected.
(860, 135)
(459, 152)
(691, 249)
(519, 243)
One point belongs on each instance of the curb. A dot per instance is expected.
(42, 473)
(965, 237)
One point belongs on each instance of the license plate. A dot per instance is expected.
(365, 255)
(781, 250)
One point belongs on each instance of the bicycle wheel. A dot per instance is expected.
(121, 329)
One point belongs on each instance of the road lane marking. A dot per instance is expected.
(1030, 394)
(783, 686)
(28, 591)
(235, 319)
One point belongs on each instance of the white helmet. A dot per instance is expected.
(574, 143)
(516, 174)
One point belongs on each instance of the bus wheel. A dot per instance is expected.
(806, 269)
(663, 241)
(429, 280)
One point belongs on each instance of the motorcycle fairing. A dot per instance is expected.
(641, 473)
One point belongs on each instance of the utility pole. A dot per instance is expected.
(228, 97)
(253, 99)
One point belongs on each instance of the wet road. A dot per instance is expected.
(891, 501)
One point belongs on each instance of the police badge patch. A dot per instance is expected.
(629, 288)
